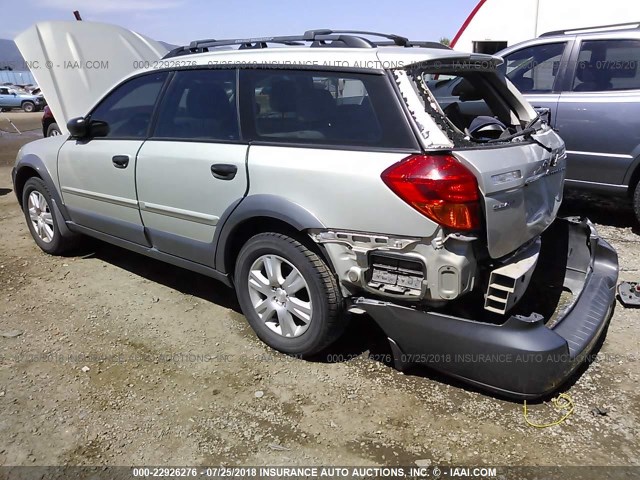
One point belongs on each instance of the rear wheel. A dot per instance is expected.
(41, 218)
(288, 294)
(28, 107)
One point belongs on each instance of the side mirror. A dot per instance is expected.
(78, 127)
(14, 94)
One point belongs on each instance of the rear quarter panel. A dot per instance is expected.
(341, 188)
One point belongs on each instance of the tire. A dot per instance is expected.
(53, 130)
(28, 107)
(636, 202)
(46, 234)
(278, 297)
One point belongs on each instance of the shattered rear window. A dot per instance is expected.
(469, 107)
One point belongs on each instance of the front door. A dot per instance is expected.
(97, 175)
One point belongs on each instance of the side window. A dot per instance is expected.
(299, 106)
(4, 91)
(534, 69)
(605, 65)
(127, 109)
(199, 104)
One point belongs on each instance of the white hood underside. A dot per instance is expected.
(76, 63)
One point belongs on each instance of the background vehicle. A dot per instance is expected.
(315, 190)
(10, 98)
(589, 79)
(49, 126)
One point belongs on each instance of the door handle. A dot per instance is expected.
(120, 161)
(224, 171)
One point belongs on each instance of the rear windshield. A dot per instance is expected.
(470, 107)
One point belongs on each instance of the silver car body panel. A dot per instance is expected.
(92, 188)
(358, 200)
(522, 192)
(176, 191)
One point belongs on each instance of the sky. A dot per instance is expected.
(180, 21)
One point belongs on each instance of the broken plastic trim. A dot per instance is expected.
(522, 358)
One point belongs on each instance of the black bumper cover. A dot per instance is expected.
(523, 357)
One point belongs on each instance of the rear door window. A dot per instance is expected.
(607, 65)
(323, 108)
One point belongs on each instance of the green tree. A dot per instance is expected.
(445, 41)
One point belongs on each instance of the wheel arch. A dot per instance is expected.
(33, 166)
(258, 214)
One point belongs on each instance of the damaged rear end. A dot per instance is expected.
(503, 295)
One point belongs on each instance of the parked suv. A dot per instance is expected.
(589, 79)
(322, 178)
(11, 98)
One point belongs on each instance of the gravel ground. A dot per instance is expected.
(107, 357)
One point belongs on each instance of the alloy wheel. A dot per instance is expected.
(280, 295)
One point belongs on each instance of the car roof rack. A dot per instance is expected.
(601, 28)
(317, 38)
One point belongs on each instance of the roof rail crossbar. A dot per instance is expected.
(615, 26)
(397, 39)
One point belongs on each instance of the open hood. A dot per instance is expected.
(76, 63)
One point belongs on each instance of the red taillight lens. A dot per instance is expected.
(438, 186)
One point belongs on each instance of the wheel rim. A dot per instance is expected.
(40, 216)
(28, 108)
(54, 133)
(280, 296)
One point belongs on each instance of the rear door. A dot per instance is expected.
(194, 165)
(599, 110)
(97, 175)
(537, 70)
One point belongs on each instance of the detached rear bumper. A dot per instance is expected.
(522, 357)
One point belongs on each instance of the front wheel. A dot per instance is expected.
(288, 295)
(41, 218)
(28, 107)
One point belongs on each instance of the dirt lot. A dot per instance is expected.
(176, 377)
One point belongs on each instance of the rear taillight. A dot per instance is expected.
(439, 187)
